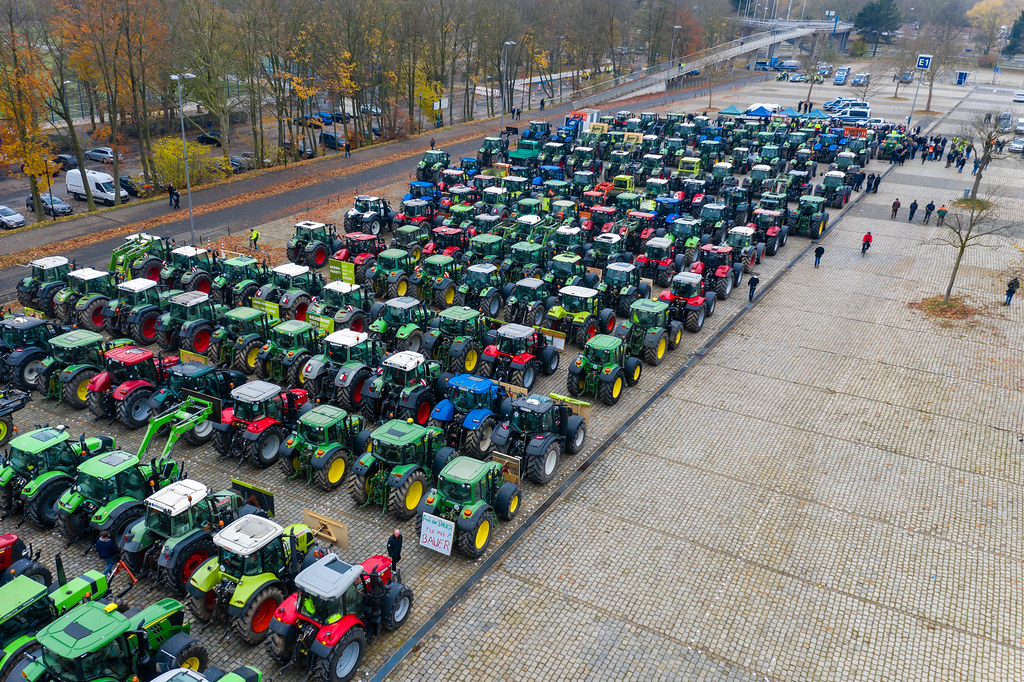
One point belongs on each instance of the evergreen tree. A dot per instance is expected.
(877, 18)
(1015, 45)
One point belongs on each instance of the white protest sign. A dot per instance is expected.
(437, 534)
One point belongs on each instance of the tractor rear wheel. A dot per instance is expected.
(143, 330)
(201, 281)
(27, 376)
(359, 489)
(133, 410)
(43, 507)
(213, 352)
(263, 450)
(190, 560)
(204, 606)
(247, 356)
(297, 309)
(6, 429)
(345, 657)
(541, 469)
(362, 270)
(279, 647)
(91, 317)
(420, 412)
(254, 623)
(654, 355)
(403, 500)
(334, 472)
(491, 305)
(609, 392)
(473, 542)
(148, 268)
(694, 320)
(75, 391)
(318, 257)
(199, 340)
(468, 361)
(478, 441)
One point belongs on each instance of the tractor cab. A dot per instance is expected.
(691, 167)
(657, 249)
(257, 399)
(516, 185)
(347, 346)
(193, 305)
(250, 546)
(406, 368)
(740, 238)
(602, 218)
(529, 207)
(619, 275)
(241, 268)
(136, 293)
(526, 227)
(292, 335)
(338, 294)
(495, 200)
(487, 223)
(568, 238)
(583, 181)
(129, 363)
(86, 281)
(482, 181)
(183, 506)
(188, 257)
(290, 276)
(657, 187)
(577, 299)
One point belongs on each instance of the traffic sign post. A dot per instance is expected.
(924, 63)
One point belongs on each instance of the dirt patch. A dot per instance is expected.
(975, 204)
(948, 315)
(927, 112)
(897, 99)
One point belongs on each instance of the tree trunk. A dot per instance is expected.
(986, 156)
(76, 146)
(928, 104)
(952, 275)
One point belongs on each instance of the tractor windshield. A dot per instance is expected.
(64, 669)
(455, 491)
(389, 453)
(528, 294)
(684, 289)
(712, 213)
(247, 411)
(337, 352)
(466, 401)
(737, 240)
(575, 303)
(234, 565)
(646, 318)
(312, 433)
(616, 277)
(656, 252)
(563, 267)
(456, 327)
(524, 256)
(397, 376)
(511, 345)
(389, 262)
(478, 278)
(397, 316)
(25, 622)
(93, 488)
(432, 268)
(286, 340)
(365, 205)
(832, 181)
(319, 609)
(23, 461)
(12, 337)
(167, 526)
(120, 372)
(528, 421)
(598, 356)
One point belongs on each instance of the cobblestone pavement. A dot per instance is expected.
(832, 493)
(665, 593)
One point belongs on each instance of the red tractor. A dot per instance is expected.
(123, 389)
(517, 354)
(361, 250)
(16, 559)
(447, 241)
(259, 422)
(715, 265)
(691, 302)
(337, 610)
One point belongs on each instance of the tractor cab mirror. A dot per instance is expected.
(166, 470)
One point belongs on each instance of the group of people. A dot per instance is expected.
(928, 210)
(805, 107)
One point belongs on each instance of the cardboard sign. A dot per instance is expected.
(511, 466)
(32, 312)
(599, 128)
(633, 138)
(272, 310)
(340, 270)
(437, 534)
(321, 322)
(189, 356)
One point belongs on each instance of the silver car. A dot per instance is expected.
(9, 218)
(1016, 145)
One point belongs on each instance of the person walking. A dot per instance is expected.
(170, 196)
(942, 214)
(542, 104)
(865, 243)
(974, 171)
(348, 149)
(913, 210)
(395, 548)
(818, 253)
(960, 163)
(752, 283)
(1011, 289)
(928, 210)
(874, 187)
(895, 209)
(871, 181)
(107, 550)
(254, 239)
(177, 199)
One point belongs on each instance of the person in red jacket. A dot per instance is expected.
(865, 243)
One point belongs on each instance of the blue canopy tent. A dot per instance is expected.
(760, 112)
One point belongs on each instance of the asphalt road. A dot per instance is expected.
(266, 208)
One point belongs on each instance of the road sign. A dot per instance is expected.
(924, 62)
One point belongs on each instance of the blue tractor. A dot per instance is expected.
(420, 189)
(471, 411)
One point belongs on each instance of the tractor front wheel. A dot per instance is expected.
(526, 376)
(254, 623)
(473, 542)
(75, 391)
(575, 385)
(333, 473)
(351, 396)
(723, 287)
(398, 607)
(95, 401)
(507, 503)
(204, 606)
(133, 410)
(359, 489)
(200, 433)
(247, 357)
(478, 441)
(541, 469)
(192, 656)
(345, 658)
(403, 500)
(222, 442)
(72, 526)
(294, 374)
(279, 647)
(263, 449)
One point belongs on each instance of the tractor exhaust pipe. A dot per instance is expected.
(62, 578)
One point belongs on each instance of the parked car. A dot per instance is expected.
(877, 122)
(211, 137)
(66, 161)
(52, 205)
(1019, 127)
(798, 78)
(1018, 97)
(861, 78)
(907, 77)
(1016, 145)
(9, 218)
(135, 187)
(103, 155)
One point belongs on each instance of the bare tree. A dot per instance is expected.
(983, 136)
(902, 61)
(970, 224)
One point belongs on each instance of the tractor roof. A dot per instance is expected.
(310, 225)
(129, 355)
(471, 383)
(405, 360)
(141, 237)
(244, 314)
(49, 262)
(248, 535)
(328, 578)
(604, 342)
(762, 167)
(688, 278)
(76, 337)
(554, 145)
(292, 327)
(495, 190)
(526, 246)
(393, 253)
(717, 207)
(241, 261)
(568, 258)
(291, 270)
(85, 629)
(255, 391)
(538, 404)
(370, 197)
(515, 331)
(191, 369)
(415, 203)
(641, 215)
(441, 259)
(608, 238)
(464, 469)
(530, 220)
(178, 496)
(398, 432)
(622, 267)
(188, 251)
(649, 305)
(809, 199)
(403, 302)
(323, 416)
(346, 337)
(514, 179)
(529, 283)
(21, 322)
(723, 164)
(137, 285)
(108, 464)
(531, 201)
(487, 238)
(742, 229)
(190, 298)
(18, 594)
(448, 229)
(566, 230)
(39, 439)
(88, 274)
(658, 243)
(656, 157)
(835, 174)
(580, 292)
(460, 313)
(484, 268)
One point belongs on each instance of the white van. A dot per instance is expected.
(102, 184)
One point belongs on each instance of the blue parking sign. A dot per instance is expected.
(924, 61)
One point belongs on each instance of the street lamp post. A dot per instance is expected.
(672, 49)
(184, 147)
(504, 82)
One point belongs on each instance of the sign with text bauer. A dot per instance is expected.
(437, 534)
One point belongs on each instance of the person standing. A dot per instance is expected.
(913, 210)
(942, 214)
(542, 104)
(254, 239)
(170, 196)
(818, 253)
(431, 143)
(871, 181)
(395, 548)
(107, 550)
(177, 199)
(1011, 289)
(752, 283)
(928, 210)
(348, 149)
(874, 187)
(895, 209)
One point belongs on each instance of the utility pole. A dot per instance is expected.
(184, 147)
(504, 83)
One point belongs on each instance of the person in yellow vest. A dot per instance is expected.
(254, 239)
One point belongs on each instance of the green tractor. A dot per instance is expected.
(622, 286)
(251, 574)
(137, 309)
(603, 368)
(434, 279)
(650, 331)
(82, 301)
(190, 322)
(527, 302)
(407, 387)
(27, 605)
(568, 269)
(141, 255)
(239, 280)
(430, 166)
(110, 488)
(49, 275)
(313, 243)
(237, 341)
(492, 150)
(348, 304)
(399, 323)
(24, 344)
(398, 467)
(525, 259)
(292, 289)
(290, 345)
(39, 466)
(485, 248)
(540, 431)
(346, 363)
(324, 446)
(579, 314)
(810, 217)
(95, 642)
(175, 537)
(75, 358)
(481, 289)
(473, 495)
(456, 338)
(190, 269)
(390, 275)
